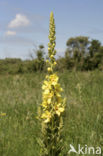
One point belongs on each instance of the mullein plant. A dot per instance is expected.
(53, 106)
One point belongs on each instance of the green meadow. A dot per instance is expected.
(20, 96)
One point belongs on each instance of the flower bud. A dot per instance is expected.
(49, 69)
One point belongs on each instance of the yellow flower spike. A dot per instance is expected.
(52, 103)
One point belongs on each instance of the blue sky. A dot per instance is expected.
(24, 24)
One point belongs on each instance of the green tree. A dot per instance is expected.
(77, 49)
(98, 57)
(94, 47)
(77, 46)
(68, 61)
(40, 53)
(39, 61)
(94, 58)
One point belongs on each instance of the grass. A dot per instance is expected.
(20, 96)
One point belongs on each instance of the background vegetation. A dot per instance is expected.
(82, 54)
(20, 96)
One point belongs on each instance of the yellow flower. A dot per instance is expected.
(49, 100)
(59, 110)
(44, 104)
(46, 91)
(46, 85)
(54, 79)
(47, 120)
(43, 87)
(46, 116)
(3, 114)
(58, 95)
(46, 82)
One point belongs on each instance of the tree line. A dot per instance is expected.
(81, 54)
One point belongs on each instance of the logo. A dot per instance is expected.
(85, 150)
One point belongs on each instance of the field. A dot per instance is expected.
(20, 96)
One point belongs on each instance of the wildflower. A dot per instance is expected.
(59, 109)
(46, 91)
(3, 114)
(46, 116)
(52, 102)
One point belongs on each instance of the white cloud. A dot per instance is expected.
(19, 21)
(10, 33)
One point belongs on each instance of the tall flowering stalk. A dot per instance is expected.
(53, 105)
